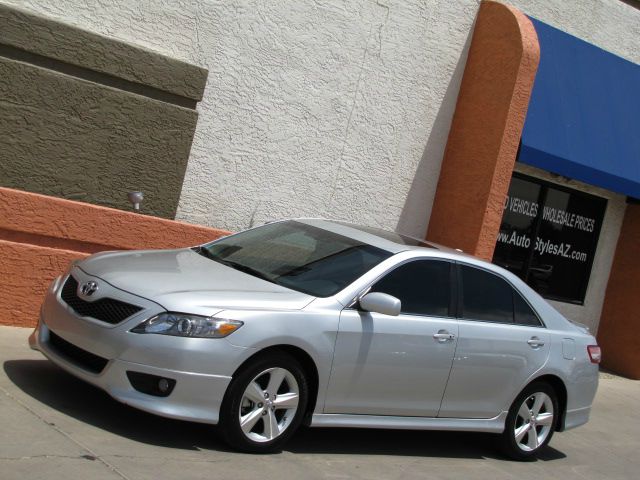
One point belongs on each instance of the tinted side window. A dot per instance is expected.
(523, 312)
(423, 287)
(485, 296)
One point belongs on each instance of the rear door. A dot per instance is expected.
(501, 344)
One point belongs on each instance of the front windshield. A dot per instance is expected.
(297, 256)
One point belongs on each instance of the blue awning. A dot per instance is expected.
(584, 113)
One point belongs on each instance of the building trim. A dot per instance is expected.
(40, 235)
(17, 54)
(75, 46)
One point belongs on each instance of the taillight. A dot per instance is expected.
(595, 354)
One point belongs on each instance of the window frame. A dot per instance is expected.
(460, 293)
(453, 289)
(545, 186)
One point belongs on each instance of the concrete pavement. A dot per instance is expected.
(54, 426)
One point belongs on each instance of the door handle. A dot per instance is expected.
(535, 342)
(443, 336)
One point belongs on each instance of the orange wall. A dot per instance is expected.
(485, 131)
(40, 235)
(619, 329)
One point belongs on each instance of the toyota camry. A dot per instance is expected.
(324, 323)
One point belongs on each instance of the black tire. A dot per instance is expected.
(229, 425)
(515, 449)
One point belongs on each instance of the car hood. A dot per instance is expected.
(184, 281)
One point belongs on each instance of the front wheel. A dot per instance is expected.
(264, 404)
(530, 422)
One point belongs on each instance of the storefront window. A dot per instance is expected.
(548, 237)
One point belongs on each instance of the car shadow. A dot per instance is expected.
(414, 443)
(52, 386)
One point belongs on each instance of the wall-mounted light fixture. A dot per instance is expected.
(136, 199)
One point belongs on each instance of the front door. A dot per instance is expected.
(386, 365)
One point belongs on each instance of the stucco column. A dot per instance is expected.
(620, 322)
(485, 130)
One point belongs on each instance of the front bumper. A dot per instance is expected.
(201, 368)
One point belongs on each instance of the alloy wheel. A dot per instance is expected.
(534, 421)
(269, 404)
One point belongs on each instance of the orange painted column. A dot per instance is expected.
(619, 329)
(485, 131)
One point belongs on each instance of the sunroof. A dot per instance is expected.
(391, 236)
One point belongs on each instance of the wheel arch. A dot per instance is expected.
(308, 365)
(561, 391)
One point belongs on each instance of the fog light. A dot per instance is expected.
(151, 384)
(163, 385)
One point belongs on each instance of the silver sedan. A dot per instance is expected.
(324, 323)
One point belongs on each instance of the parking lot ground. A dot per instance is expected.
(53, 426)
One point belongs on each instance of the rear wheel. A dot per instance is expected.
(264, 404)
(531, 421)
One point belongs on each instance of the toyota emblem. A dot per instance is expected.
(89, 288)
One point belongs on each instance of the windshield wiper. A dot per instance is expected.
(230, 263)
(244, 268)
(295, 271)
(200, 250)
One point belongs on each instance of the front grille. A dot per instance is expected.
(76, 355)
(105, 309)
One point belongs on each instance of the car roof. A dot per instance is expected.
(378, 237)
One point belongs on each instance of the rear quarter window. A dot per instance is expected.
(485, 296)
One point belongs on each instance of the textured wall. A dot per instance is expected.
(609, 24)
(620, 320)
(53, 39)
(40, 235)
(328, 108)
(325, 108)
(85, 117)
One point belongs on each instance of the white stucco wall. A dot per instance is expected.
(325, 108)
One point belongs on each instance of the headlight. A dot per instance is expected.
(185, 325)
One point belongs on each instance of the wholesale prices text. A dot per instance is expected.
(556, 216)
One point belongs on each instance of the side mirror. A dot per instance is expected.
(379, 302)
